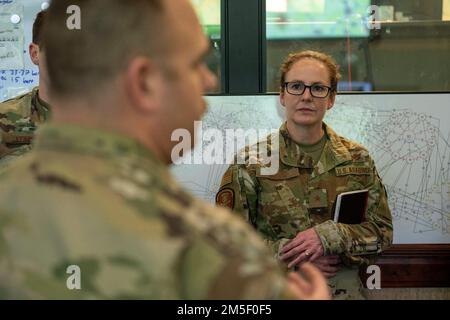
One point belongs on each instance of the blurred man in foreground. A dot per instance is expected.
(95, 199)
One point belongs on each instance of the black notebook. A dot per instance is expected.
(350, 207)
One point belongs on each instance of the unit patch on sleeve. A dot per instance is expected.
(225, 198)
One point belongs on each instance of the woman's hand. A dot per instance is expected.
(328, 265)
(306, 246)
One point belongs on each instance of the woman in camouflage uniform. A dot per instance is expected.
(292, 208)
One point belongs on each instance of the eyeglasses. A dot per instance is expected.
(297, 88)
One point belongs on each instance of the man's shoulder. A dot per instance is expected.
(10, 155)
(217, 227)
(127, 204)
(215, 224)
(247, 262)
(20, 105)
(229, 228)
(135, 189)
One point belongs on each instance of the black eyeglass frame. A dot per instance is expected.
(309, 87)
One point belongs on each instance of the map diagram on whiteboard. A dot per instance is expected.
(224, 113)
(407, 135)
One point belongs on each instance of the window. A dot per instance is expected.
(406, 48)
(210, 17)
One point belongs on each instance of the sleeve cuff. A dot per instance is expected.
(331, 238)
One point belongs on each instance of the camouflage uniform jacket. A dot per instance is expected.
(301, 195)
(102, 202)
(19, 118)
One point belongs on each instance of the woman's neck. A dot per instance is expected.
(305, 134)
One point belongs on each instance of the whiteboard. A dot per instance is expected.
(17, 73)
(408, 135)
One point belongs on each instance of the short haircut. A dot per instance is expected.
(37, 28)
(112, 32)
(327, 60)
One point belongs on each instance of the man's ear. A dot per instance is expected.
(143, 84)
(33, 49)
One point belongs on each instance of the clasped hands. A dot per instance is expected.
(306, 246)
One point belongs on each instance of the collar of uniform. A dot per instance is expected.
(42, 107)
(89, 141)
(290, 153)
(334, 153)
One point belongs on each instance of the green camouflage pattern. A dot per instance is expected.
(105, 203)
(19, 119)
(301, 195)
